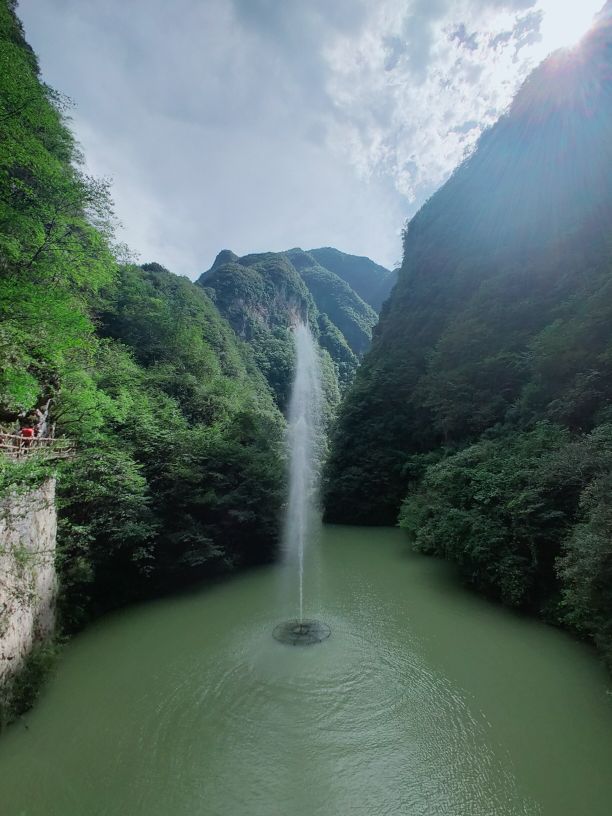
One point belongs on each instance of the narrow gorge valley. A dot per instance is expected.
(301, 533)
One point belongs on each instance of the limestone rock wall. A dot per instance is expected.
(28, 583)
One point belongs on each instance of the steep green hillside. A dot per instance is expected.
(335, 298)
(372, 282)
(262, 296)
(179, 466)
(54, 228)
(486, 396)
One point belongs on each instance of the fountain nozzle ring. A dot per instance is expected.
(301, 632)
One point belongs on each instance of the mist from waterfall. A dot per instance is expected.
(304, 448)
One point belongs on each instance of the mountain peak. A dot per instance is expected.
(224, 257)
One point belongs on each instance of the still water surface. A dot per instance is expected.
(425, 701)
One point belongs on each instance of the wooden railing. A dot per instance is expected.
(16, 446)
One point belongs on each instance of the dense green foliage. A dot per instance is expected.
(503, 507)
(182, 473)
(54, 225)
(585, 569)
(372, 282)
(178, 472)
(335, 298)
(263, 296)
(486, 395)
(261, 299)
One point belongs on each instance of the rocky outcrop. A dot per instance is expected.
(27, 574)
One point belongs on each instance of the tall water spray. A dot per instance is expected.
(304, 440)
(304, 425)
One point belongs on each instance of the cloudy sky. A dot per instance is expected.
(265, 124)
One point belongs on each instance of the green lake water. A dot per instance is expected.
(425, 701)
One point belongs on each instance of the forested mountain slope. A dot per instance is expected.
(484, 402)
(371, 281)
(264, 295)
(179, 466)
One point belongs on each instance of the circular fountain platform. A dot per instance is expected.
(301, 632)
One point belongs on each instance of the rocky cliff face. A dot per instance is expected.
(27, 575)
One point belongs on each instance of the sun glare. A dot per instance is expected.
(565, 22)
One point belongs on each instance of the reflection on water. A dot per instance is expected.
(424, 700)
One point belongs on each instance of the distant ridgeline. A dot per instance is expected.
(484, 403)
(263, 295)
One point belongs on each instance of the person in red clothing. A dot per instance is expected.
(27, 435)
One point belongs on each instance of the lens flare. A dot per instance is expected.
(565, 22)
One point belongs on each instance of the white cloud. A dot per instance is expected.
(260, 125)
(423, 79)
(411, 113)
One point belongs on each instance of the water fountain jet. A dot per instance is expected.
(304, 450)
